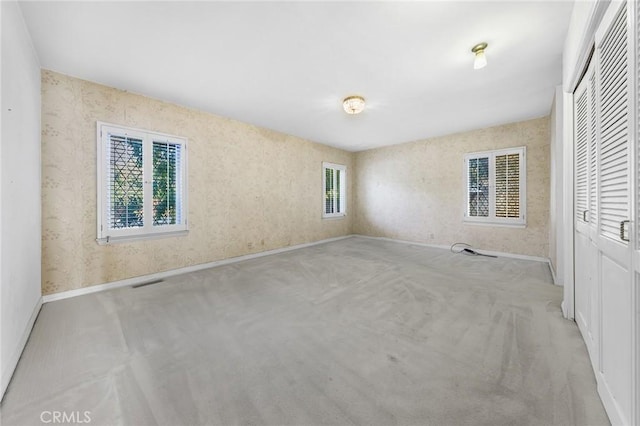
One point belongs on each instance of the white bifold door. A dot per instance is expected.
(605, 278)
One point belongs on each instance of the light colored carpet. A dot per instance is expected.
(356, 331)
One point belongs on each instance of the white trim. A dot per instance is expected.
(10, 365)
(335, 217)
(612, 408)
(492, 219)
(553, 273)
(567, 207)
(493, 253)
(476, 222)
(633, 13)
(558, 185)
(587, 41)
(343, 190)
(128, 239)
(147, 138)
(165, 274)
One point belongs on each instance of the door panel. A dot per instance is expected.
(583, 284)
(606, 301)
(595, 293)
(614, 173)
(583, 130)
(616, 333)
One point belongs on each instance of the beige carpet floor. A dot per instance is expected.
(352, 332)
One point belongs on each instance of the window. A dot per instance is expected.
(496, 186)
(334, 182)
(141, 184)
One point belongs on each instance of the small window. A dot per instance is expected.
(334, 182)
(141, 184)
(496, 187)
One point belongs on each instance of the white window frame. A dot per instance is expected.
(105, 235)
(343, 190)
(492, 219)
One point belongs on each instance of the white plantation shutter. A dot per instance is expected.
(582, 142)
(125, 182)
(167, 183)
(141, 183)
(508, 185)
(496, 190)
(614, 138)
(334, 181)
(478, 186)
(329, 183)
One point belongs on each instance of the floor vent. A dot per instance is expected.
(147, 283)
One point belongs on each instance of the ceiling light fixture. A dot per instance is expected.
(481, 59)
(353, 104)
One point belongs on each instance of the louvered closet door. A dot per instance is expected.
(635, 197)
(613, 95)
(585, 153)
(582, 137)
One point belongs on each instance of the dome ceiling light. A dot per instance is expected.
(353, 104)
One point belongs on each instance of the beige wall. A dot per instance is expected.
(250, 189)
(415, 191)
(242, 181)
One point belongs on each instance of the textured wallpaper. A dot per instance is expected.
(250, 189)
(416, 191)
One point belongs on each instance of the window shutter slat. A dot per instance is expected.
(166, 183)
(582, 140)
(334, 176)
(338, 196)
(478, 174)
(125, 203)
(593, 151)
(507, 185)
(612, 111)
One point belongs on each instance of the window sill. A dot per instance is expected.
(495, 224)
(131, 238)
(336, 217)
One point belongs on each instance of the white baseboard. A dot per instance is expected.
(10, 366)
(610, 404)
(165, 274)
(553, 274)
(394, 240)
(493, 253)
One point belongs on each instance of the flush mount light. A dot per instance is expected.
(481, 59)
(353, 104)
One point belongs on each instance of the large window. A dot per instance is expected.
(496, 187)
(141, 183)
(334, 182)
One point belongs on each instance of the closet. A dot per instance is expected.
(605, 186)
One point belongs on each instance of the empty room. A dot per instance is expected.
(320, 213)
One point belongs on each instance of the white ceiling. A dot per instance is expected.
(288, 65)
